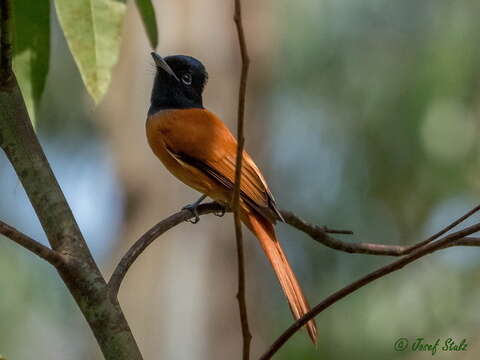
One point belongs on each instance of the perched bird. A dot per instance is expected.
(198, 148)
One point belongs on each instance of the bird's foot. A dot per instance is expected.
(220, 212)
(193, 208)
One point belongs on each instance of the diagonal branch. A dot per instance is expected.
(411, 253)
(28, 243)
(241, 297)
(447, 241)
(146, 239)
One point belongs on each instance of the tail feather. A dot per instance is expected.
(265, 233)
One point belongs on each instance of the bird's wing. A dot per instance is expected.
(200, 139)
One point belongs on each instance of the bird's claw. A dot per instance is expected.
(195, 220)
(220, 213)
(193, 209)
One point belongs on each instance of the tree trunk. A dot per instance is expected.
(79, 271)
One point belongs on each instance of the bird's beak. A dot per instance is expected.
(163, 65)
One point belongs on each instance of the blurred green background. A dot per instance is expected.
(362, 114)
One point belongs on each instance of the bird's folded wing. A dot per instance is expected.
(200, 139)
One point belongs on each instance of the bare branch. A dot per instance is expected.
(320, 234)
(444, 230)
(241, 297)
(28, 243)
(161, 227)
(459, 237)
(146, 239)
(466, 241)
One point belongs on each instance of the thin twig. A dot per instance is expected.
(447, 241)
(146, 239)
(444, 230)
(320, 234)
(466, 241)
(30, 244)
(241, 297)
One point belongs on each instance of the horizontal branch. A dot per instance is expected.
(30, 244)
(318, 233)
(184, 215)
(448, 241)
(466, 241)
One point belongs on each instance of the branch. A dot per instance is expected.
(173, 220)
(80, 273)
(241, 297)
(146, 239)
(320, 234)
(454, 239)
(466, 241)
(28, 243)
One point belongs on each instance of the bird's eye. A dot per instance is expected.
(187, 78)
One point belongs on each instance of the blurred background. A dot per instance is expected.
(362, 114)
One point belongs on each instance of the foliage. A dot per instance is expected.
(147, 13)
(31, 49)
(92, 29)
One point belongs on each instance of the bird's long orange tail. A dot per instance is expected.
(265, 233)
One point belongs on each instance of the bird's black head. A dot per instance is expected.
(178, 84)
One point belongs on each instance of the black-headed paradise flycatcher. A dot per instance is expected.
(198, 148)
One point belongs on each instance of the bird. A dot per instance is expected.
(198, 148)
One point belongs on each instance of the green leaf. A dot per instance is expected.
(147, 13)
(92, 29)
(31, 49)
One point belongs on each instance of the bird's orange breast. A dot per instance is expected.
(170, 125)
